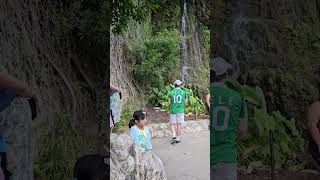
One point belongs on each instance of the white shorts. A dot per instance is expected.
(177, 118)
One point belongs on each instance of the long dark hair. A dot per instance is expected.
(137, 116)
(91, 167)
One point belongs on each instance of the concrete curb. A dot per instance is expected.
(160, 130)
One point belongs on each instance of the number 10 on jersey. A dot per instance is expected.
(177, 98)
(225, 120)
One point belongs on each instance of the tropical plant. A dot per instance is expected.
(254, 149)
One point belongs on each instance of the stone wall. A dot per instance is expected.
(160, 130)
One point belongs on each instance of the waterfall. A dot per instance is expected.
(197, 47)
(239, 35)
(184, 45)
(191, 46)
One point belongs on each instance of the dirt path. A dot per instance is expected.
(188, 160)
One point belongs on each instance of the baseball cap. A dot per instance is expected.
(178, 82)
(219, 65)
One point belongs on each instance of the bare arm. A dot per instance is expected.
(243, 123)
(7, 81)
(208, 100)
(243, 127)
(313, 116)
(114, 88)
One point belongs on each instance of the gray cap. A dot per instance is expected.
(219, 65)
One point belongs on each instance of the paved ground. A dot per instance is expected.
(188, 160)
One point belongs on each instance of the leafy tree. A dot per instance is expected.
(156, 59)
(125, 10)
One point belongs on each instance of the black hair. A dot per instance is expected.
(212, 76)
(91, 167)
(215, 78)
(137, 116)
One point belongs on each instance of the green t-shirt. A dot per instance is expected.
(177, 97)
(227, 107)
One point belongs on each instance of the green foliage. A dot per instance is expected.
(126, 116)
(195, 105)
(60, 149)
(254, 148)
(251, 95)
(166, 15)
(88, 20)
(125, 10)
(206, 37)
(156, 58)
(158, 95)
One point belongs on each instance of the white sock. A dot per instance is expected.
(173, 135)
(178, 138)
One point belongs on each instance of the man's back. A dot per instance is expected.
(227, 108)
(177, 97)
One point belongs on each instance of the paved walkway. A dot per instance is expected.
(188, 160)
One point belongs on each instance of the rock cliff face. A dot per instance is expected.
(30, 51)
(127, 162)
(274, 44)
(15, 125)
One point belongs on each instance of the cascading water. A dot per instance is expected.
(197, 46)
(184, 45)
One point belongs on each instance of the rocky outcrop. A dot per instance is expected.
(127, 162)
(15, 125)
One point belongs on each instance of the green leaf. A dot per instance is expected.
(247, 152)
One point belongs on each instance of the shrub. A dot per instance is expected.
(156, 58)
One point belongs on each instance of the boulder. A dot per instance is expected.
(127, 162)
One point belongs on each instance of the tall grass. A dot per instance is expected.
(60, 149)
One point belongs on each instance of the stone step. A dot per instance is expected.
(160, 130)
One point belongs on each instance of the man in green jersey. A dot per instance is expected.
(177, 100)
(228, 116)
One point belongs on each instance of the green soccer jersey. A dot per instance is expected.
(227, 107)
(177, 97)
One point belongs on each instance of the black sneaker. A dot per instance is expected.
(173, 140)
(178, 141)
